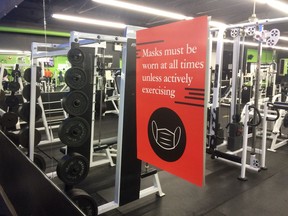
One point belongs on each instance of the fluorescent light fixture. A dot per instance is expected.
(281, 6)
(252, 44)
(217, 24)
(284, 38)
(89, 21)
(143, 9)
(15, 52)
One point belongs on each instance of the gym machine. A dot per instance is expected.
(215, 137)
(279, 139)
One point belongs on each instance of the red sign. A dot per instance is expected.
(170, 93)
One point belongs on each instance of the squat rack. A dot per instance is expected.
(156, 188)
(84, 39)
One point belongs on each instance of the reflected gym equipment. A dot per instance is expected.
(73, 168)
(76, 103)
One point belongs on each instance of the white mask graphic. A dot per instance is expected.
(165, 138)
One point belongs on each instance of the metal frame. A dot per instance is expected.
(235, 84)
(86, 39)
(216, 90)
(156, 188)
(276, 142)
(35, 54)
(214, 110)
(83, 39)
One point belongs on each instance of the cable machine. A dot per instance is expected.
(235, 128)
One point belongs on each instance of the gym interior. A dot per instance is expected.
(181, 107)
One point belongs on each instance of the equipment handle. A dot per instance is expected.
(259, 117)
(280, 105)
(271, 105)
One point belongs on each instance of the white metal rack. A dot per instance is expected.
(87, 38)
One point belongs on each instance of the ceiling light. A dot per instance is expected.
(281, 6)
(15, 52)
(143, 9)
(217, 24)
(252, 44)
(89, 21)
(284, 38)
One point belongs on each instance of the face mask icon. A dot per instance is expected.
(165, 138)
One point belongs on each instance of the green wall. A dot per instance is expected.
(14, 59)
(58, 60)
(18, 59)
(252, 56)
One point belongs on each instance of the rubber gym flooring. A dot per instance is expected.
(265, 193)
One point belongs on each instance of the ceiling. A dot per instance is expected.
(30, 12)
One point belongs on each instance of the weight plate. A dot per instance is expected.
(9, 119)
(75, 78)
(84, 201)
(75, 56)
(75, 103)
(39, 162)
(12, 101)
(24, 112)
(72, 168)
(14, 86)
(24, 137)
(26, 92)
(74, 132)
(27, 74)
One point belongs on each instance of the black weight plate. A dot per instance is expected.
(12, 101)
(75, 78)
(27, 74)
(84, 201)
(26, 92)
(9, 119)
(75, 56)
(24, 137)
(39, 162)
(24, 112)
(14, 86)
(75, 103)
(72, 168)
(74, 132)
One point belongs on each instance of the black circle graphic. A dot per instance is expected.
(167, 134)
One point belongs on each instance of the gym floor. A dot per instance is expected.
(264, 193)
